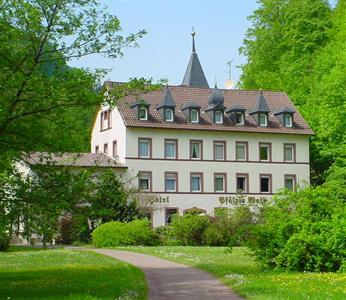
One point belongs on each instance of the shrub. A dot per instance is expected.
(303, 231)
(113, 234)
(189, 229)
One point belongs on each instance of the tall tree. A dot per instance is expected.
(45, 104)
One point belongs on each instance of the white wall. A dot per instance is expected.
(116, 132)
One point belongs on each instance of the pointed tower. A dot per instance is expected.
(194, 75)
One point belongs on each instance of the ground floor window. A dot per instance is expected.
(219, 182)
(196, 182)
(265, 183)
(242, 183)
(144, 181)
(170, 212)
(290, 182)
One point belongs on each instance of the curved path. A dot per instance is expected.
(168, 280)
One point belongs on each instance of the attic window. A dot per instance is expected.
(218, 117)
(288, 120)
(169, 114)
(194, 116)
(143, 113)
(262, 119)
(239, 118)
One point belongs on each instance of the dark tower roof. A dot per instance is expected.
(216, 96)
(261, 105)
(167, 99)
(194, 75)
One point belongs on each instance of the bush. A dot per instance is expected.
(303, 231)
(113, 234)
(189, 229)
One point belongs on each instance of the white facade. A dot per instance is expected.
(126, 141)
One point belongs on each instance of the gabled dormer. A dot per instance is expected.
(260, 111)
(237, 114)
(285, 116)
(141, 109)
(191, 111)
(166, 107)
(215, 109)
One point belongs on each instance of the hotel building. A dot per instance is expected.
(192, 146)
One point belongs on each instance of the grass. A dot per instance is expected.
(239, 270)
(67, 274)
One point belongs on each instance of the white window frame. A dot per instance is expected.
(143, 108)
(219, 112)
(200, 145)
(292, 147)
(290, 124)
(269, 183)
(291, 177)
(246, 184)
(265, 118)
(170, 176)
(245, 145)
(223, 144)
(174, 142)
(218, 176)
(268, 147)
(171, 119)
(197, 115)
(146, 141)
(144, 175)
(200, 176)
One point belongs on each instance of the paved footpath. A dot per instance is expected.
(168, 280)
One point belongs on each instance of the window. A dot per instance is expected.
(144, 148)
(290, 182)
(115, 149)
(265, 183)
(143, 113)
(96, 149)
(239, 118)
(170, 213)
(194, 118)
(196, 182)
(219, 150)
(105, 148)
(265, 152)
(219, 182)
(171, 182)
(262, 119)
(241, 150)
(218, 117)
(196, 149)
(169, 114)
(144, 181)
(288, 120)
(171, 149)
(105, 119)
(289, 152)
(242, 183)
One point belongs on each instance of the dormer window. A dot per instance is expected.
(194, 118)
(263, 119)
(239, 118)
(218, 117)
(169, 115)
(288, 120)
(143, 113)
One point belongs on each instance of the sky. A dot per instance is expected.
(164, 52)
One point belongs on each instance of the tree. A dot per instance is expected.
(45, 105)
(299, 47)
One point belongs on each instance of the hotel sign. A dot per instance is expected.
(239, 200)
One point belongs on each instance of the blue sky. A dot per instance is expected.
(164, 52)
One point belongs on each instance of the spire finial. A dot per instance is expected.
(193, 33)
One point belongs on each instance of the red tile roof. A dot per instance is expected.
(183, 94)
(71, 159)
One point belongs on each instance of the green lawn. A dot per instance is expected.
(67, 274)
(239, 270)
